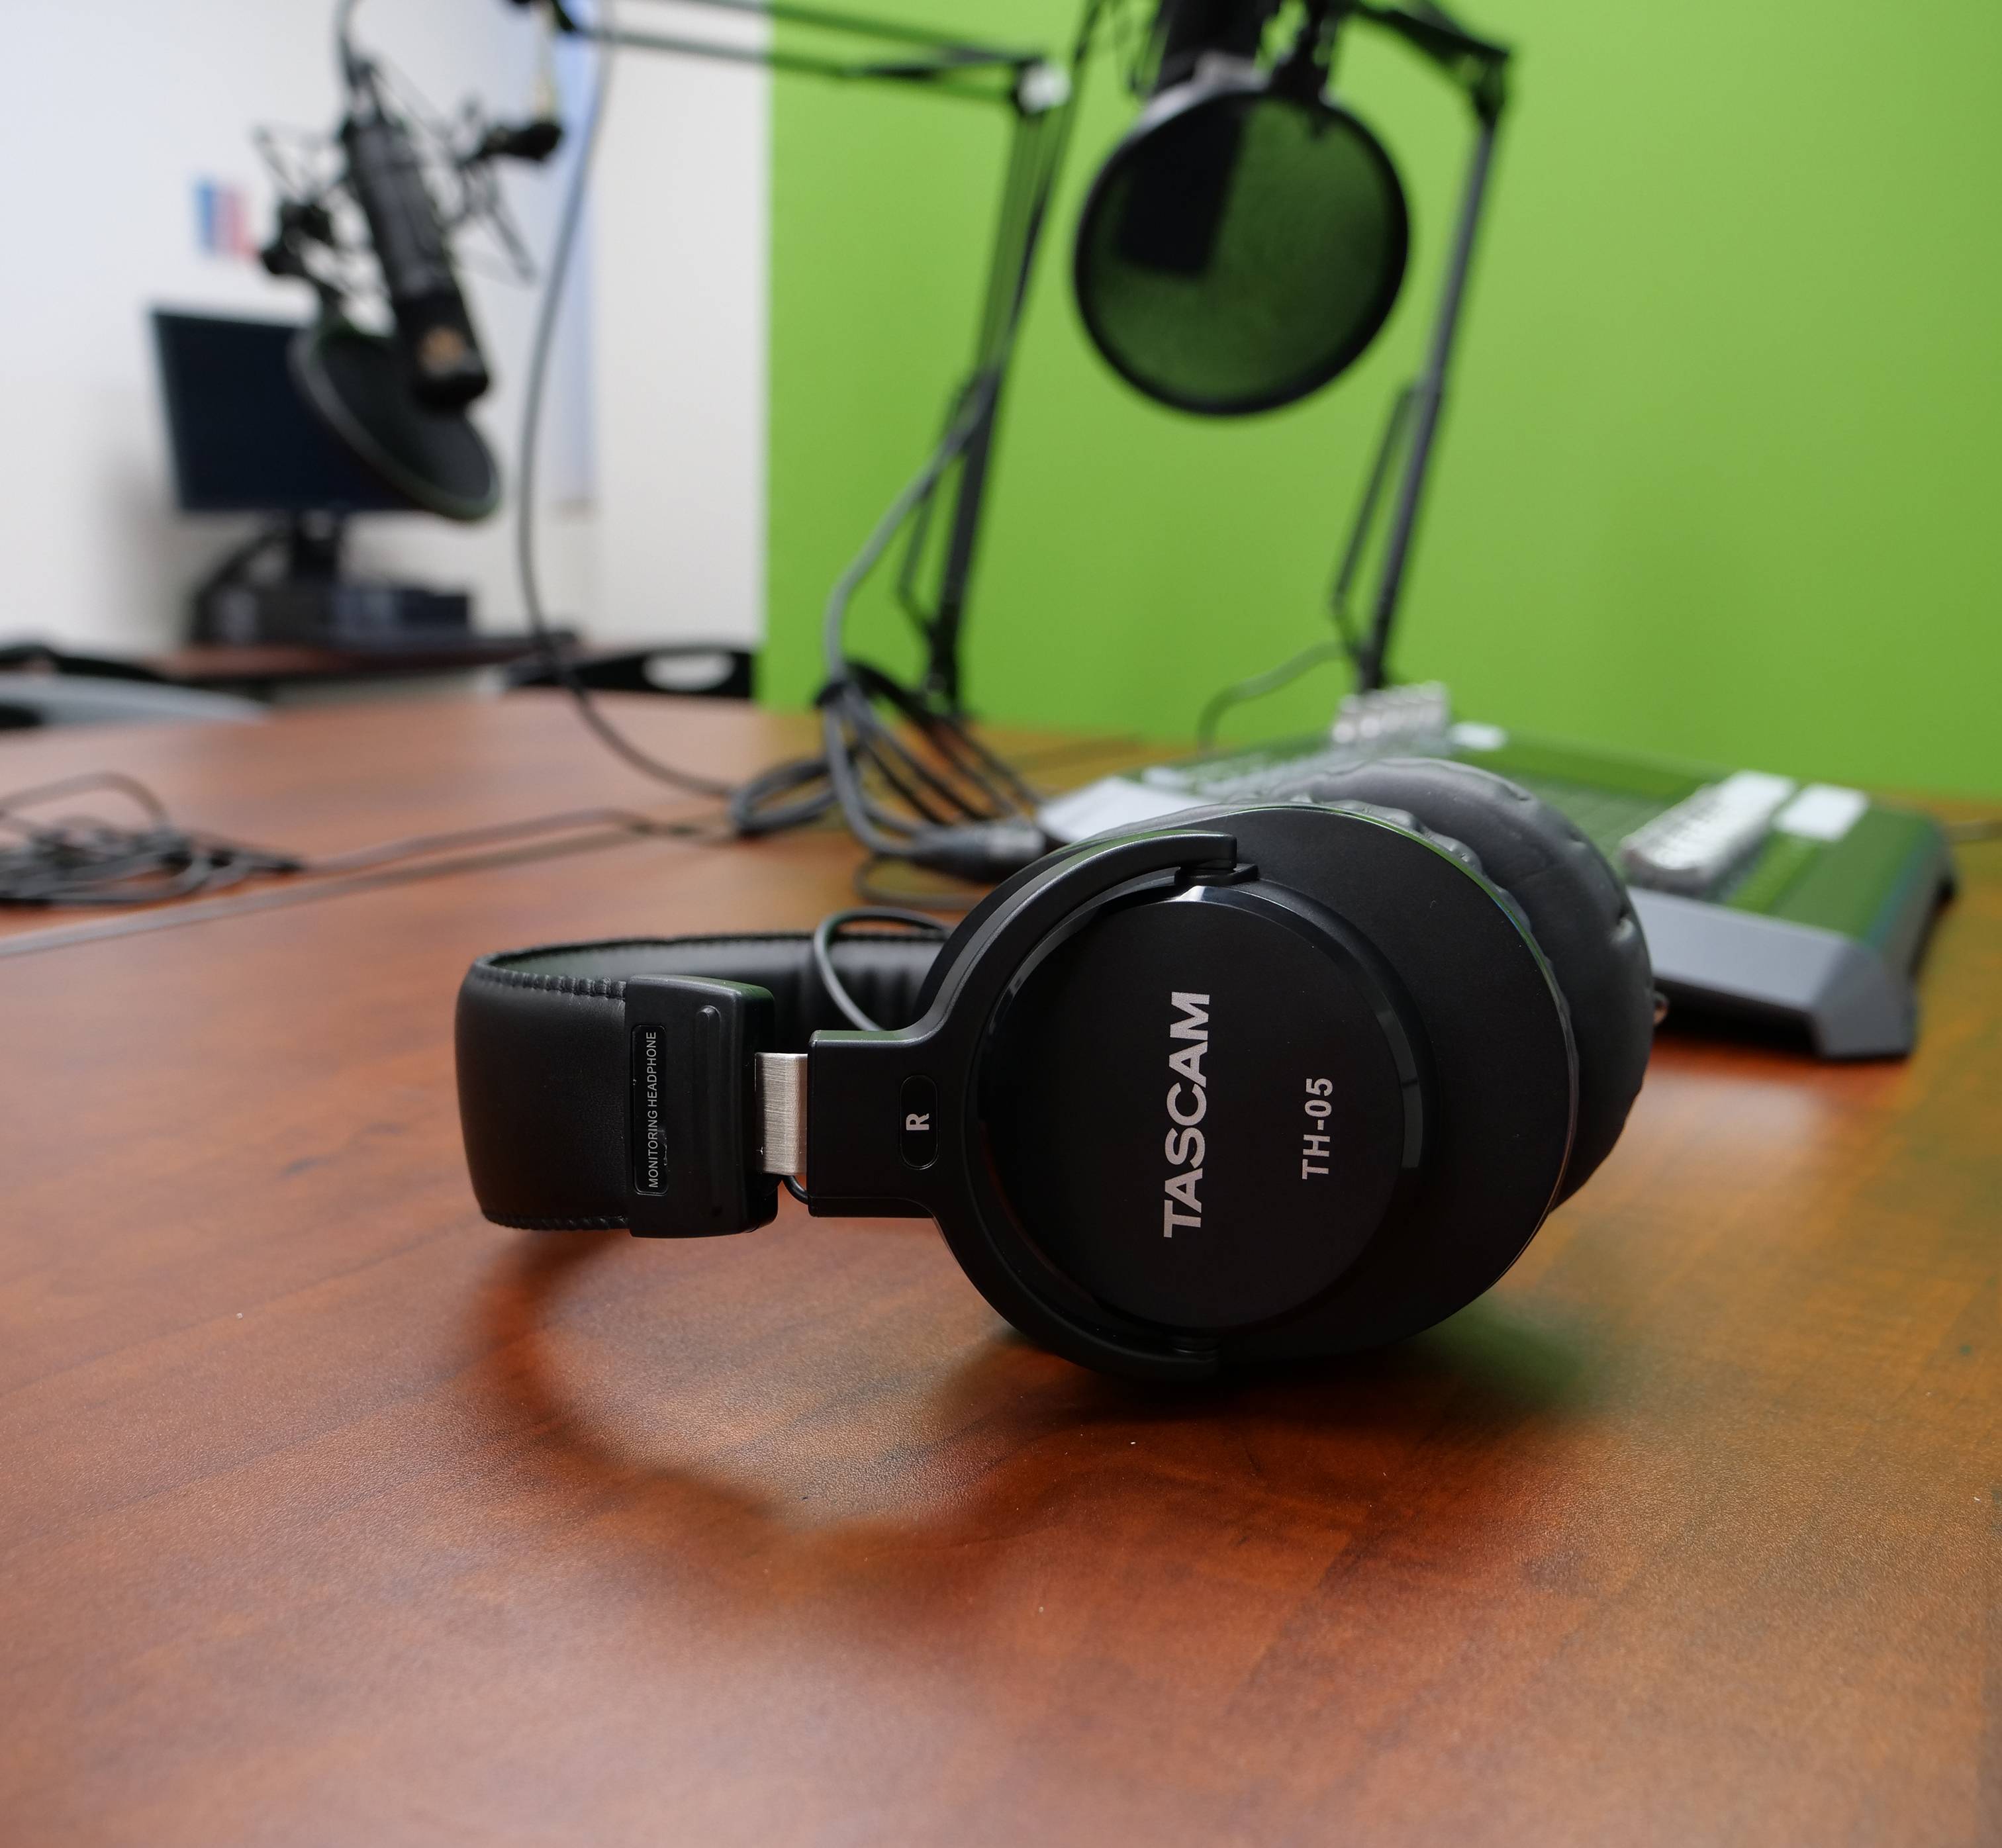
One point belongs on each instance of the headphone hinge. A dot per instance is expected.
(781, 1084)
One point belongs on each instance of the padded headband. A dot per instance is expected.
(544, 1074)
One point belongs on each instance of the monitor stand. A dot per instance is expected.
(308, 601)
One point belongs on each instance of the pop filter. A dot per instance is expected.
(357, 380)
(1241, 246)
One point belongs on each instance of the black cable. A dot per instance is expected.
(129, 786)
(850, 724)
(832, 927)
(1346, 642)
(1025, 170)
(459, 840)
(997, 831)
(548, 311)
(85, 860)
(1257, 686)
(904, 897)
(758, 807)
(793, 794)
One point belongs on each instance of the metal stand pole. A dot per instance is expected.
(1422, 405)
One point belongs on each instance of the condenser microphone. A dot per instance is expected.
(435, 339)
(1171, 216)
(1187, 31)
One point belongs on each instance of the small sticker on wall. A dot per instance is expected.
(222, 221)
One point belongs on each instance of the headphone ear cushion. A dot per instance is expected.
(1576, 908)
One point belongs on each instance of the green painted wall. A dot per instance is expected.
(1720, 473)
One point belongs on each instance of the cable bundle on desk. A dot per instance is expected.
(77, 860)
(85, 859)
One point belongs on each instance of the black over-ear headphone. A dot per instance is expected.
(1251, 1083)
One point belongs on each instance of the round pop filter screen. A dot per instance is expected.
(356, 381)
(1241, 249)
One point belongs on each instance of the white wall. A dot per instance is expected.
(679, 300)
(111, 111)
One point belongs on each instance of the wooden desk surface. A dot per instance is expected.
(334, 1514)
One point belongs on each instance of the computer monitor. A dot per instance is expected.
(244, 440)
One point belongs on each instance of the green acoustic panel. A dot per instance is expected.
(1718, 474)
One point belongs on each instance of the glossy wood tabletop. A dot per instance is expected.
(336, 1514)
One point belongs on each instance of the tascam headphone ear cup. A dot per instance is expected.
(1577, 910)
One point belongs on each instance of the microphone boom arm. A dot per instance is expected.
(947, 61)
(1039, 92)
(1480, 67)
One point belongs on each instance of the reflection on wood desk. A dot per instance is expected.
(335, 1515)
(266, 666)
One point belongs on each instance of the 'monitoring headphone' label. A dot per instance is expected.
(649, 1141)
